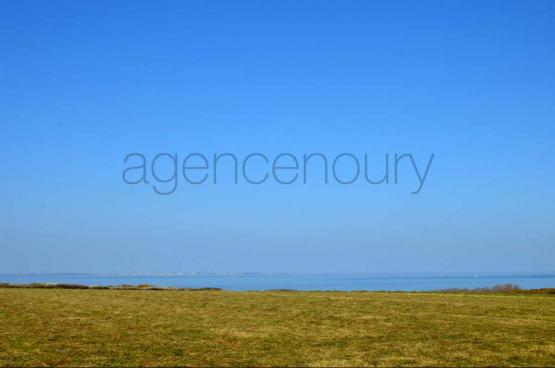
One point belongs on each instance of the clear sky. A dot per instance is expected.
(84, 83)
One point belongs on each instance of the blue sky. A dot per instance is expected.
(82, 84)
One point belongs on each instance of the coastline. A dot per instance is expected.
(495, 289)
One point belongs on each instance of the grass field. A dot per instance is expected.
(132, 327)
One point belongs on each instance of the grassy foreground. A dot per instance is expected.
(199, 328)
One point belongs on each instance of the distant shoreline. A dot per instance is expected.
(282, 281)
(225, 274)
(496, 289)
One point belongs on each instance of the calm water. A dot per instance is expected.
(296, 282)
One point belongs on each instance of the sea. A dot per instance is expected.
(257, 281)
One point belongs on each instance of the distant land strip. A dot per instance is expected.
(501, 289)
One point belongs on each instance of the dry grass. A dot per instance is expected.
(199, 328)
